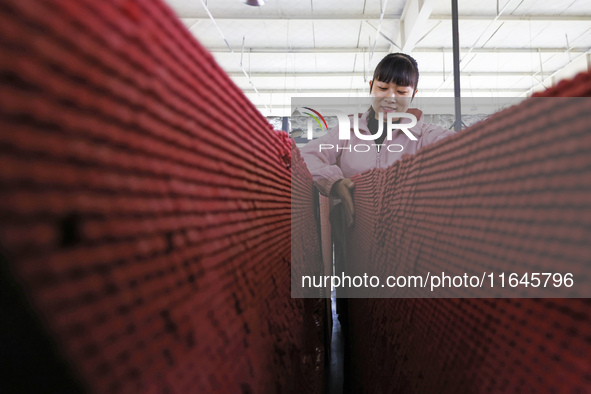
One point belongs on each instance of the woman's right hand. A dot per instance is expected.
(343, 189)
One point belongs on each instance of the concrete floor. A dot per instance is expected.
(337, 353)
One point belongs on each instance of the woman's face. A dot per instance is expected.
(390, 97)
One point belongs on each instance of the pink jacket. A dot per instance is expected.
(328, 166)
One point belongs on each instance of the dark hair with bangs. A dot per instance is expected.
(400, 68)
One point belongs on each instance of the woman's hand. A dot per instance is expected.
(343, 189)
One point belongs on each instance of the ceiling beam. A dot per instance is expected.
(366, 91)
(415, 50)
(413, 23)
(290, 107)
(284, 18)
(385, 37)
(513, 18)
(573, 67)
(376, 17)
(360, 74)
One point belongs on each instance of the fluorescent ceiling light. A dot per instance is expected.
(254, 3)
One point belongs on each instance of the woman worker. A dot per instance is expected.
(393, 86)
